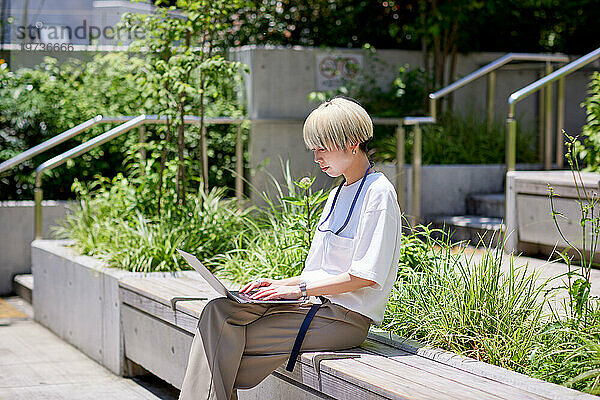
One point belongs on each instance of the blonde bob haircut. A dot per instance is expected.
(337, 122)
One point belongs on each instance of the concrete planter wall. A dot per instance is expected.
(530, 226)
(77, 297)
(16, 224)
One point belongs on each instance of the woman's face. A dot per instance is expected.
(333, 162)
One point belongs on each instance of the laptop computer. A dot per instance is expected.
(221, 289)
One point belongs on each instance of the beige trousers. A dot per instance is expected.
(238, 345)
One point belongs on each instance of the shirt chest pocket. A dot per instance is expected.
(337, 254)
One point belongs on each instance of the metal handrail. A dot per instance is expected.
(566, 70)
(128, 124)
(99, 119)
(511, 123)
(50, 143)
(85, 147)
(489, 69)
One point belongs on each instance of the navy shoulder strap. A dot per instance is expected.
(301, 334)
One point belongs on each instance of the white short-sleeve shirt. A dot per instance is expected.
(368, 247)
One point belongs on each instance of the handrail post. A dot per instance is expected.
(433, 107)
(560, 122)
(142, 139)
(400, 140)
(491, 92)
(548, 122)
(239, 163)
(416, 166)
(38, 196)
(511, 139)
(204, 156)
(541, 119)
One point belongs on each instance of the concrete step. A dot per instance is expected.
(474, 229)
(23, 286)
(488, 205)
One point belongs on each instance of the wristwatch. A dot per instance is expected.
(302, 285)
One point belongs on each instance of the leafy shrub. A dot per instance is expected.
(588, 151)
(277, 236)
(116, 220)
(39, 103)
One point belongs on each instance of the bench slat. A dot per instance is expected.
(447, 383)
(378, 381)
(415, 361)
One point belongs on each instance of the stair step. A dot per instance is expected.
(488, 205)
(474, 229)
(23, 286)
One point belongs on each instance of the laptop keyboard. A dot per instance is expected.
(245, 296)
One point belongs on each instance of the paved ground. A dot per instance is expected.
(36, 364)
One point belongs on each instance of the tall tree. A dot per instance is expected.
(179, 40)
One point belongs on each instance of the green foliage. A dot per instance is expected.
(578, 279)
(37, 104)
(459, 140)
(116, 221)
(467, 306)
(316, 23)
(278, 236)
(569, 349)
(568, 353)
(180, 62)
(492, 25)
(588, 151)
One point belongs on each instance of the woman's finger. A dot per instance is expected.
(253, 285)
(262, 293)
(247, 287)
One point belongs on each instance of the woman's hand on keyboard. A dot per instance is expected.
(273, 292)
(256, 284)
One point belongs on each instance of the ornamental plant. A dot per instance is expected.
(182, 57)
(276, 237)
(588, 149)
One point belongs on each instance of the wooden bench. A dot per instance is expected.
(158, 338)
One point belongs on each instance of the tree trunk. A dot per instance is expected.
(180, 181)
(425, 55)
(163, 160)
(452, 76)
